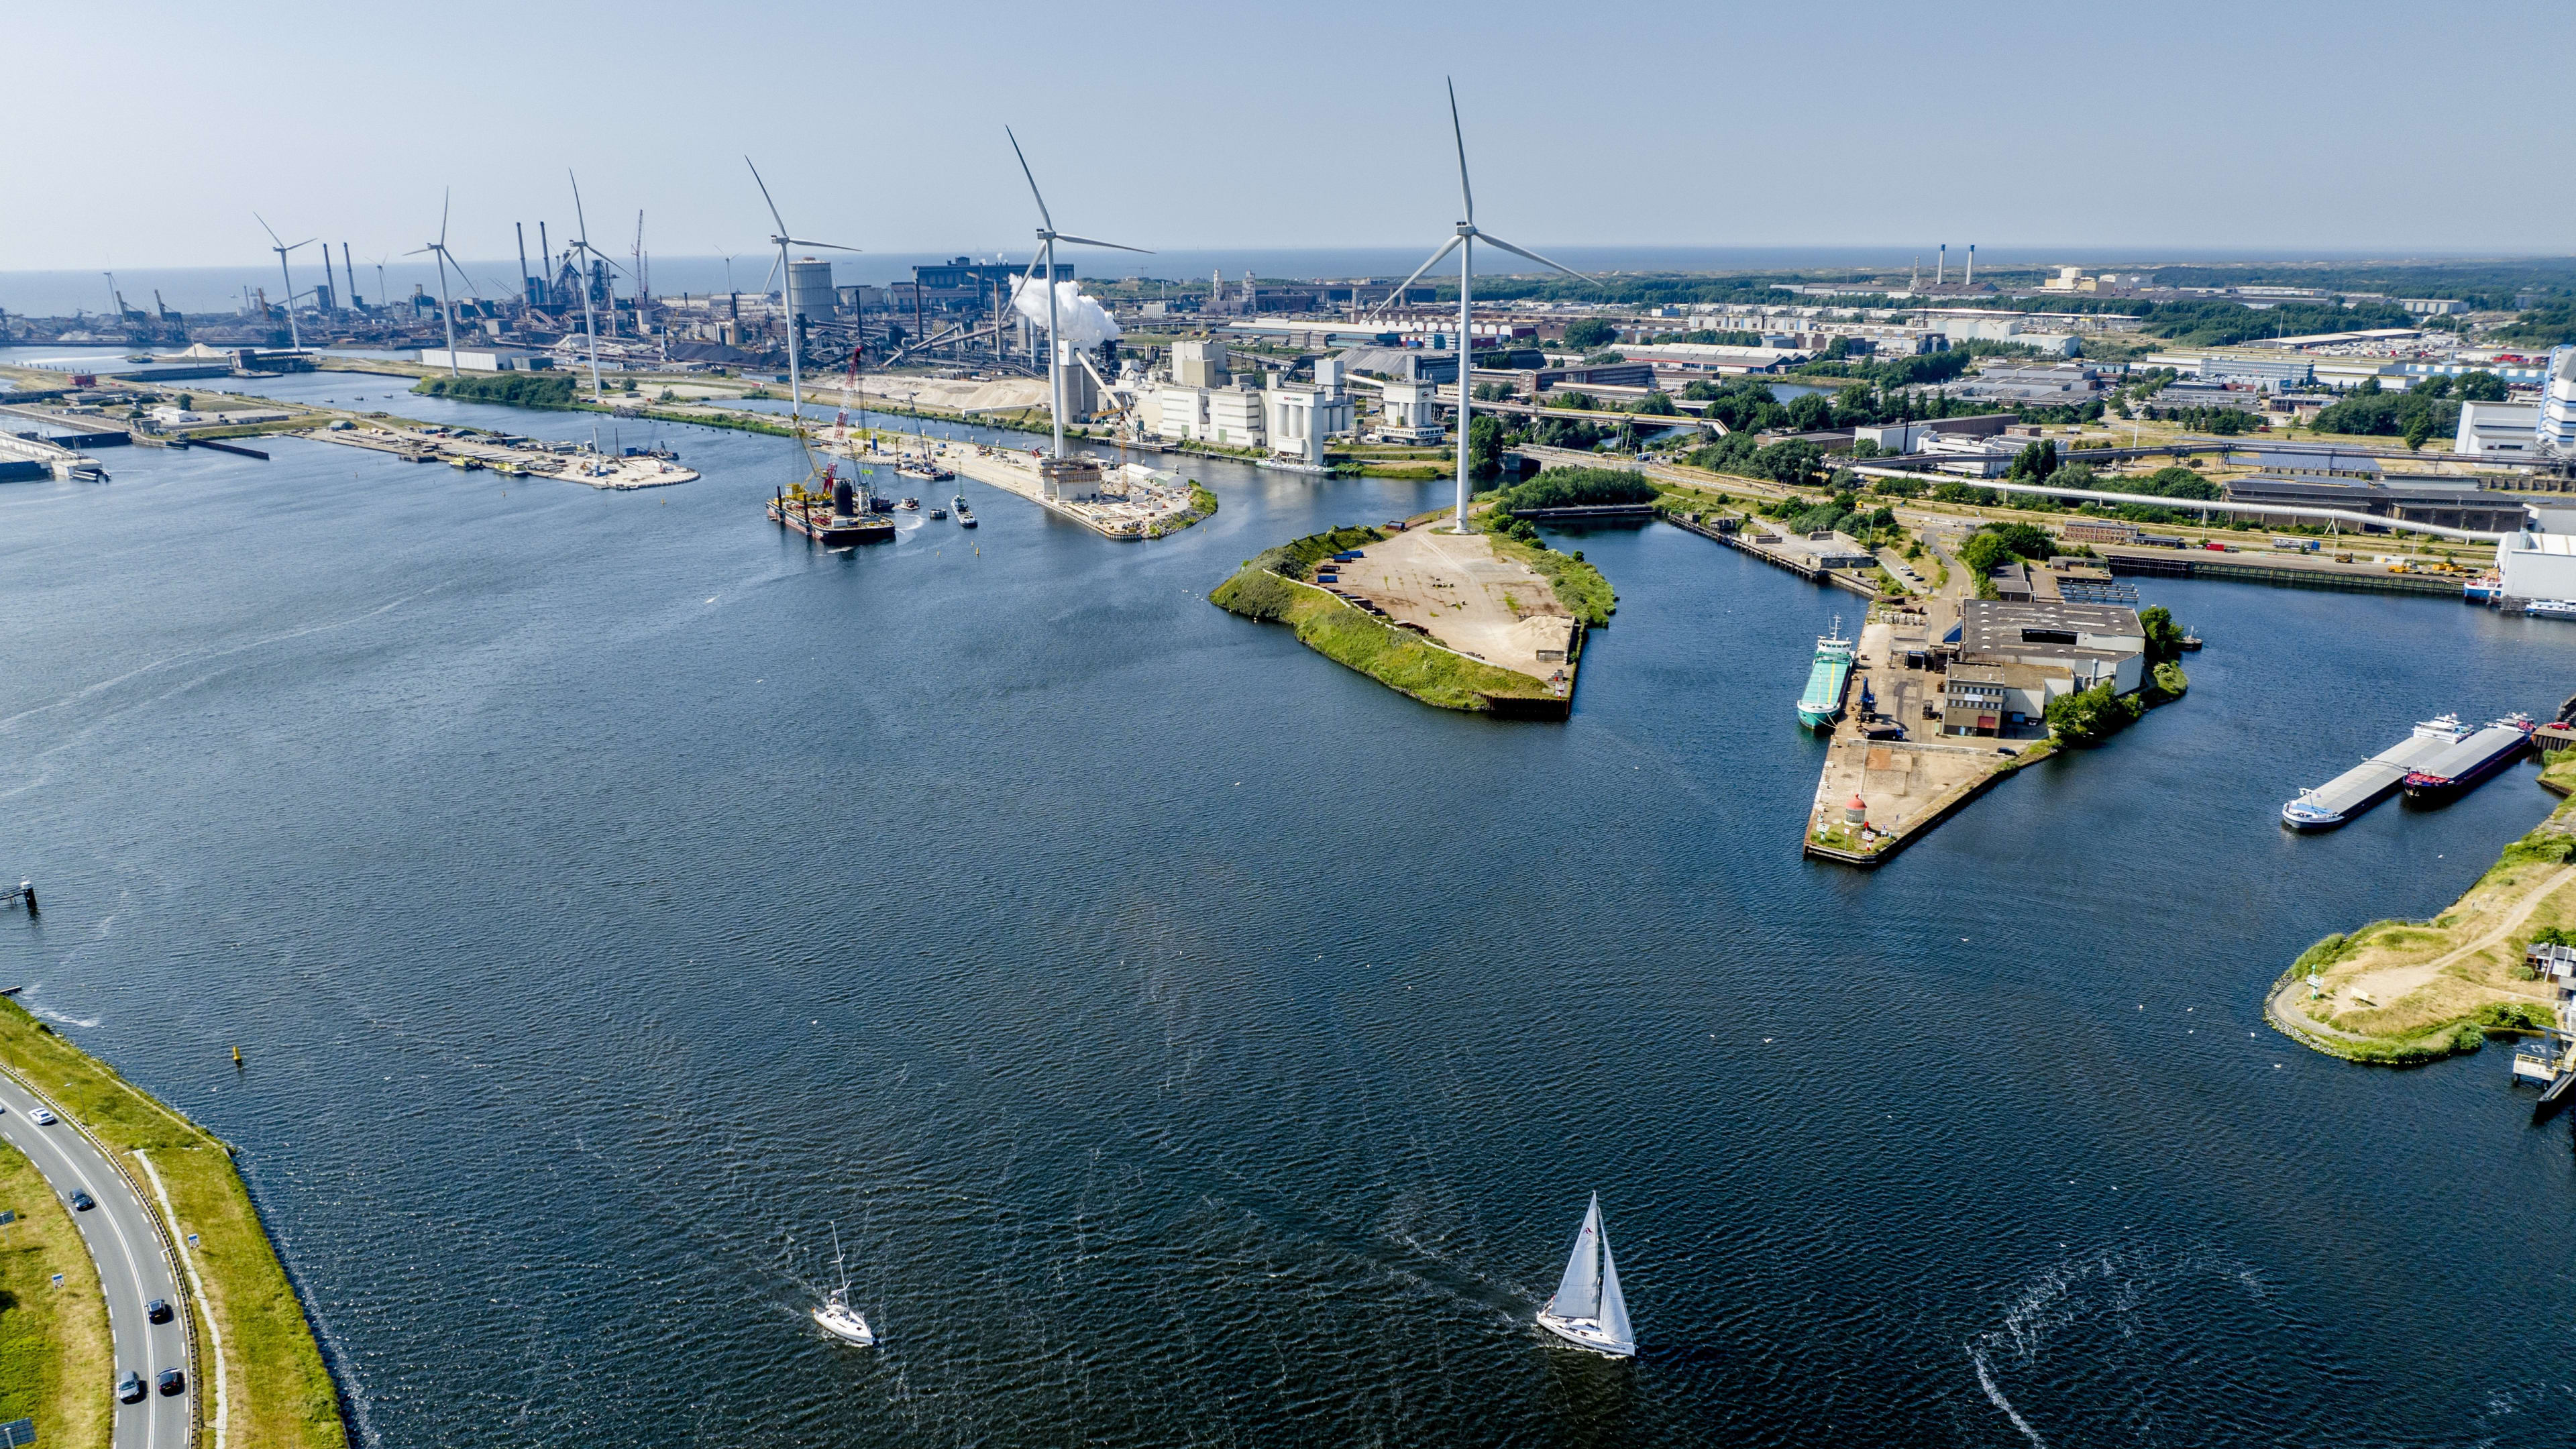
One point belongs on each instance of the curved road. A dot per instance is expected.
(130, 1267)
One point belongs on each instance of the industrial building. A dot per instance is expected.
(2010, 658)
(2443, 501)
(2537, 565)
(486, 359)
(2557, 426)
(2498, 429)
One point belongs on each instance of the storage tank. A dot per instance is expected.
(809, 289)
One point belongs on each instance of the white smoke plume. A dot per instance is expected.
(1079, 320)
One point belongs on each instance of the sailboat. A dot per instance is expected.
(1588, 1310)
(836, 1315)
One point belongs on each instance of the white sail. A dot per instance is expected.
(1614, 1304)
(1578, 1293)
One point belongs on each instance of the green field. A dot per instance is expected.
(276, 1391)
(54, 1361)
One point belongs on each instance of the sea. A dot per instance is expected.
(616, 899)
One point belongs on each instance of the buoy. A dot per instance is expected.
(237, 1056)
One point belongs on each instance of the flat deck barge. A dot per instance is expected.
(2373, 780)
(824, 525)
(2455, 770)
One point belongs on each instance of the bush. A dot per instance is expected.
(513, 389)
(2088, 717)
(1578, 488)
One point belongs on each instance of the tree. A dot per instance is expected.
(1811, 414)
(1589, 333)
(1575, 401)
(2164, 637)
(1656, 404)
(2024, 540)
(1484, 449)
(2419, 431)
(2481, 387)
(2037, 460)
(2088, 717)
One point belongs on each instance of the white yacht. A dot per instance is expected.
(836, 1315)
(1588, 1310)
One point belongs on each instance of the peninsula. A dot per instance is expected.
(1490, 621)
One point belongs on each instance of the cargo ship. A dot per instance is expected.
(2366, 784)
(1827, 678)
(2463, 765)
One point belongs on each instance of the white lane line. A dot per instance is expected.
(134, 1272)
(196, 1287)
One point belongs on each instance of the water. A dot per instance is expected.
(1196, 1042)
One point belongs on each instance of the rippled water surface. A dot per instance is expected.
(1195, 1042)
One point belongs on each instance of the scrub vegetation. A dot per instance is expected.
(515, 389)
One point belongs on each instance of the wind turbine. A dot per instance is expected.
(437, 249)
(795, 383)
(1048, 236)
(293, 337)
(578, 245)
(1464, 243)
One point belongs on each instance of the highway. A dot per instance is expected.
(130, 1266)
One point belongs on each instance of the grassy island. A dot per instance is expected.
(1278, 587)
(552, 390)
(276, 1389)
(2403, 992)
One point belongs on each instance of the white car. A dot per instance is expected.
(41, 1117)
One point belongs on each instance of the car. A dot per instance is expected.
(129, 1389)
(158, 1310)
(82, 1202)
(41, 1117)
(173, 1382)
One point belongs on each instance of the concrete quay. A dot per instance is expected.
(1151, 511)
(596, 470)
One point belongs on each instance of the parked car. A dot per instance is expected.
(82, 1202)
(173, 1382)
(129, 1389)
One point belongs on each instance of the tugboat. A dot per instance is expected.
(965, 515)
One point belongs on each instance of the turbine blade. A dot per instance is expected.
(1489, 239)
(773, 270)
(308, 241)
(1466, 198)
(577, 218)
(264, 226)
(415, 251)
(1436, 258)
(764, 196)
(446, 195)
(1088, 242)
(798, 241)
(1033, 180)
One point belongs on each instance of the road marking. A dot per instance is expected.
(196, 1286)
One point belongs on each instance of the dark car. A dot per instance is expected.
(173, 1381)
(158, 1310)
(129, 1389)
(82, 1202)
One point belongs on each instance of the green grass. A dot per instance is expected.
(55, 1366)
(1393, 657)
(1578, 585)
(278, 1392)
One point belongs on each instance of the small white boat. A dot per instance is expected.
(1588, 1310)
(836, 1315)
(2551, 609)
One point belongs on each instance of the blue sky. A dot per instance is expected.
(2355, 127)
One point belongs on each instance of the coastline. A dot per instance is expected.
(2404, 993)
(275, 1388)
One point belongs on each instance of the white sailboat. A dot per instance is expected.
(836, 1315)
(1588, 1310)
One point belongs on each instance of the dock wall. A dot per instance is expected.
(2186, 567)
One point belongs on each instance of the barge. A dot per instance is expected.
(836, 520)
(2366, 784)
(2456, 770)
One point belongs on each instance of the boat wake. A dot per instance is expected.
(2115, 1313)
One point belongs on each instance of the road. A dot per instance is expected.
(130, 1266)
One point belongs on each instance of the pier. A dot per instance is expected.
(1848, 580)
(598, 470)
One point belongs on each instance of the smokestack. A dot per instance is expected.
(1941, 265)
(352, 269)
(1972, 264)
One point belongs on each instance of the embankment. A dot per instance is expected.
(276, 1389)
(1272, 588)
(2399, 993)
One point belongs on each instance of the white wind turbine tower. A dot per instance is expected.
(293, 337)
(580, 246)
(1048, 236)
(438, 249)
(786, 275)
(1464, 243)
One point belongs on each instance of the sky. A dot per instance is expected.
(2362, 127)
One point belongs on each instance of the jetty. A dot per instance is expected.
(598, 470)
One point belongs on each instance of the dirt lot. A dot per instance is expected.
(1496, 609)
